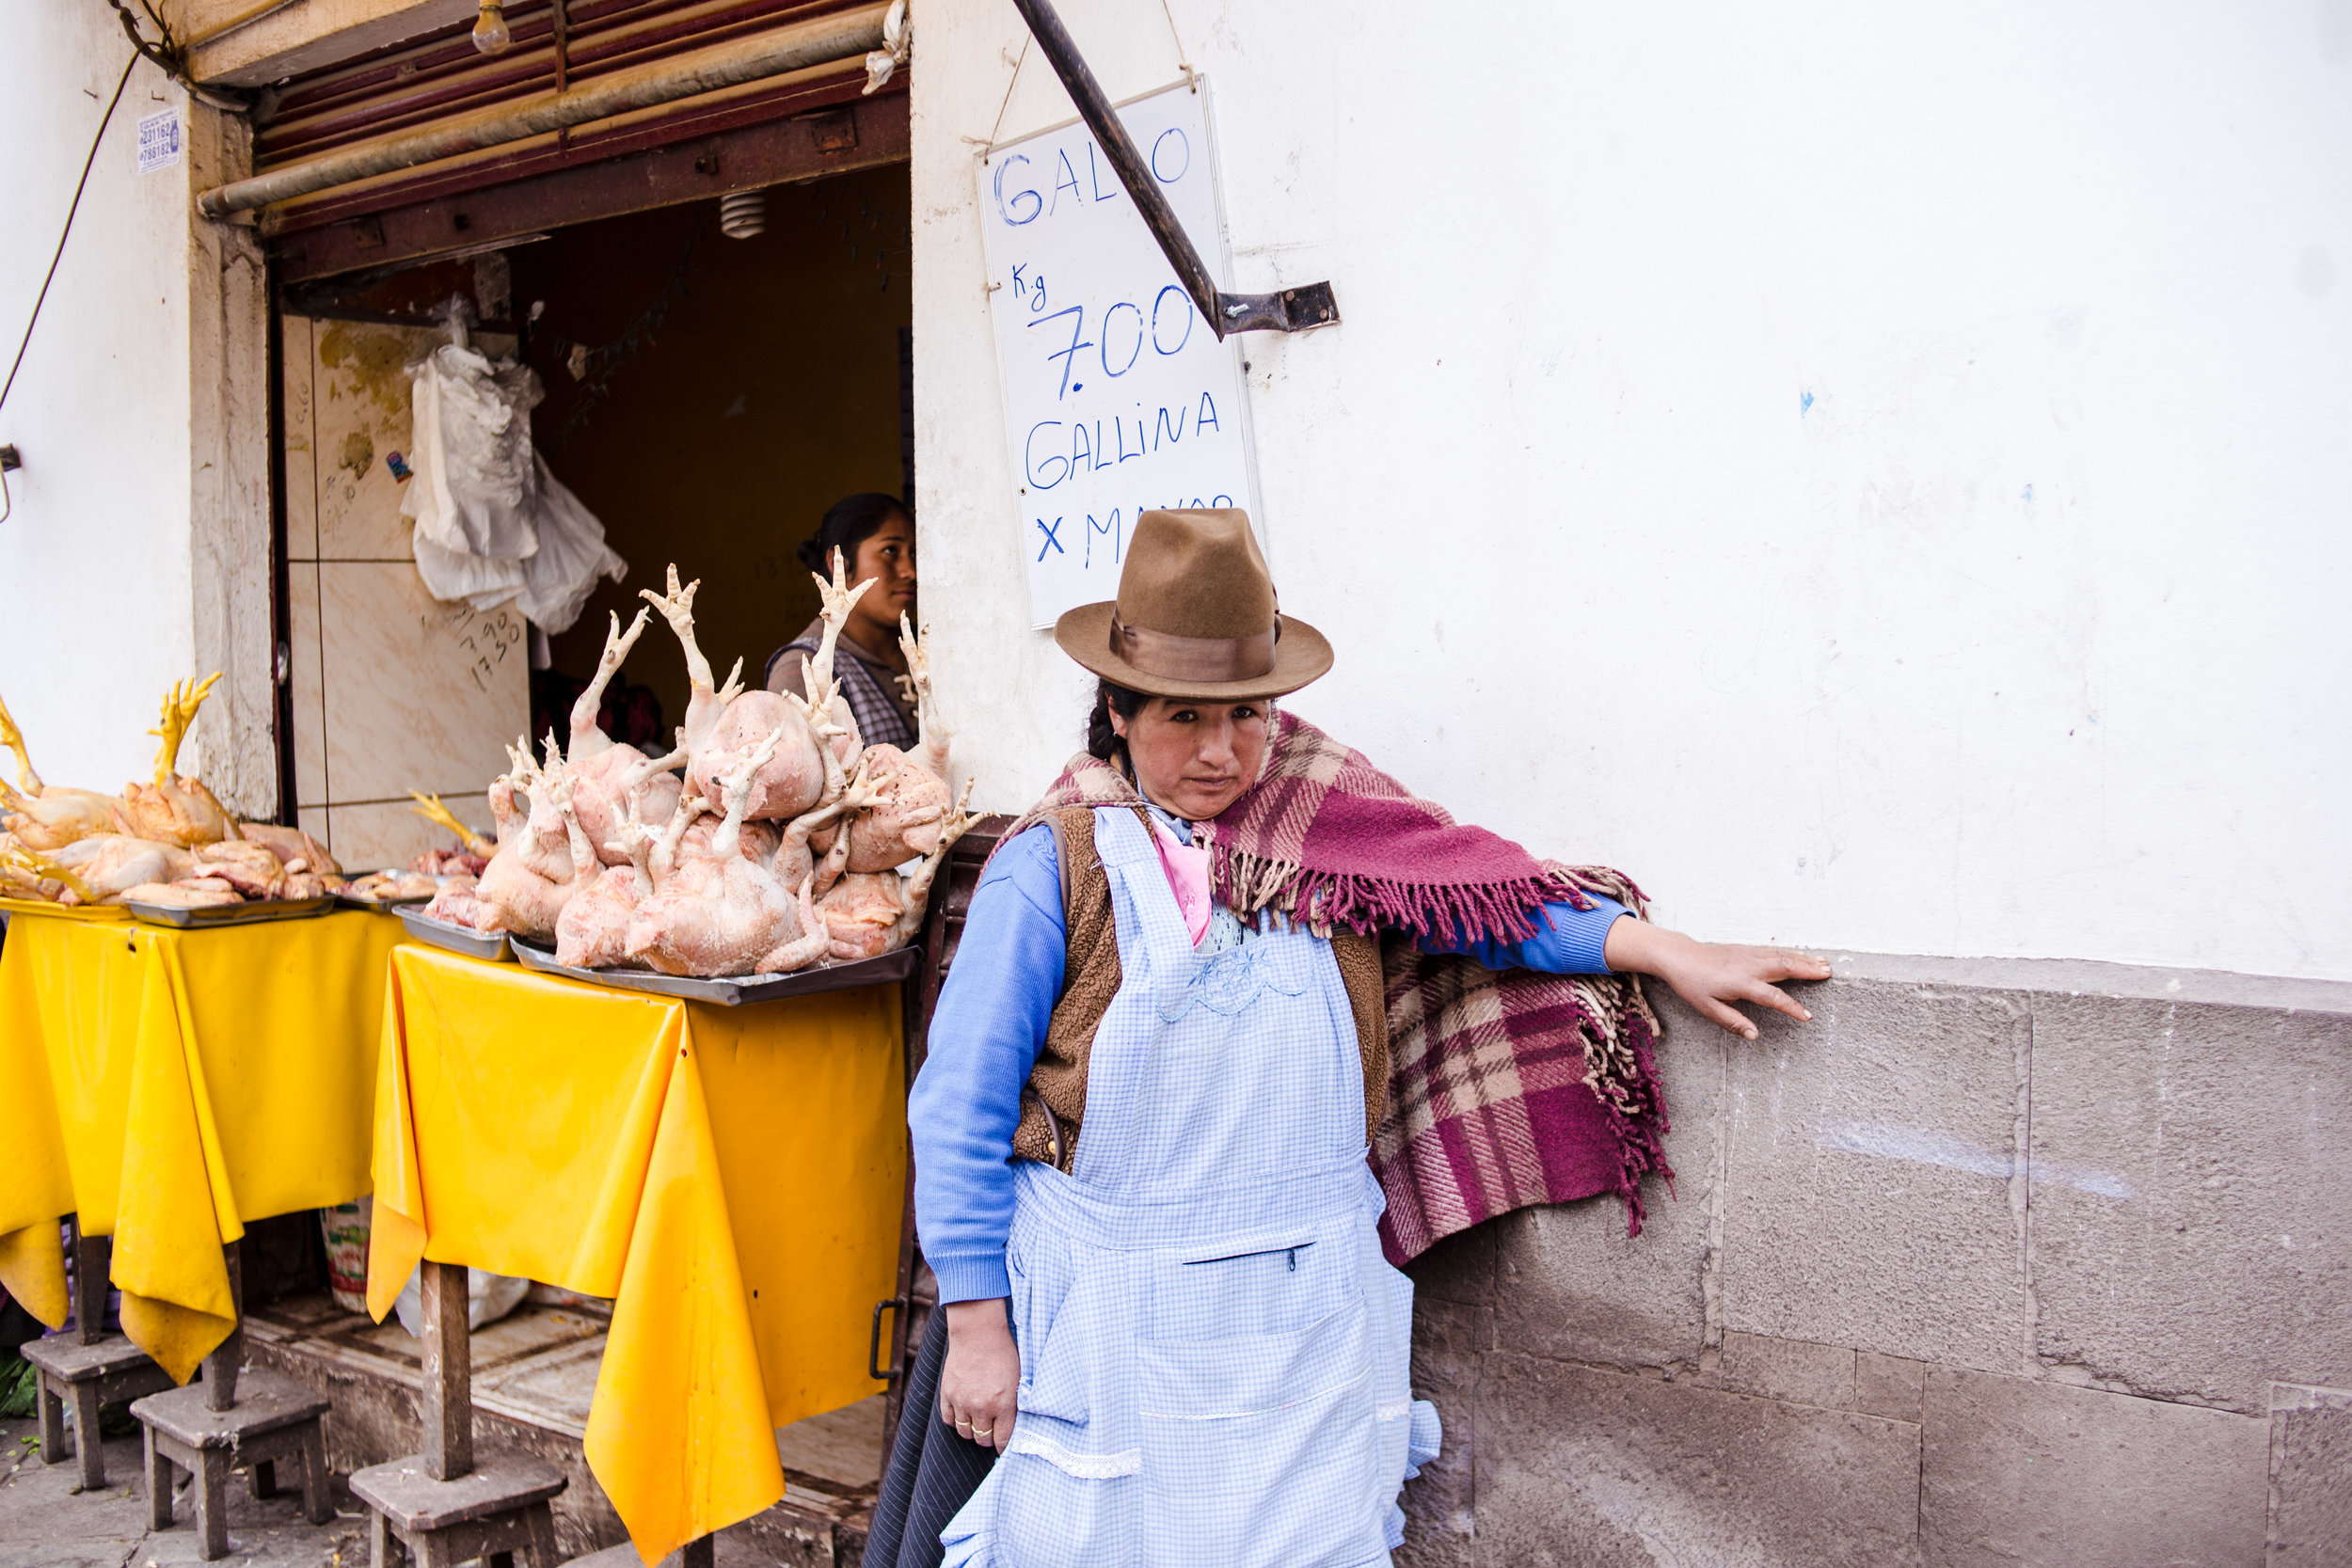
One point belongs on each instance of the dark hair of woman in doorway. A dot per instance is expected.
(875, 534)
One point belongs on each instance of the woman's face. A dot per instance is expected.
(887, 556)
(1194, 758)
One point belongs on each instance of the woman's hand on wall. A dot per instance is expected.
(1712, 975)
(976, 1386)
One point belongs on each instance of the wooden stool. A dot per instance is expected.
(89, 1367)
(205, 1430)
(438, 1507)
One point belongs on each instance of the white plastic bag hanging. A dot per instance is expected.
(492, 523)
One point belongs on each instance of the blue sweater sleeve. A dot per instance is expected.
(986, 1031)
(1571, 944)
(989, 1024)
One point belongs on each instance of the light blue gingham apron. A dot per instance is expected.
(1214, 1352)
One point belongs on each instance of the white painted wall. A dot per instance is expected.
(1880, 475)
(95, 563)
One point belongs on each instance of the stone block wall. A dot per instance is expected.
(1994, 1262)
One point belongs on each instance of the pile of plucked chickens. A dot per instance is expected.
(167, 842)
(769, 840)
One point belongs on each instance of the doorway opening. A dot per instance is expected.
(705, 397)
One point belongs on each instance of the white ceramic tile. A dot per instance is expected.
(313, 820)
(309, 693)
(362, 416)
(389, 833)
(298, 360)
(420, 695)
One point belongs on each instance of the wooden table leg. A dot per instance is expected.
(261, 1479)
(448, 1356)
(88, 1446)
(698, 1553)
(91, 1257)
(221, 1367)
(383, 1547)
(158, 1484)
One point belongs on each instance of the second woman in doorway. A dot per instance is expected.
(875, 534)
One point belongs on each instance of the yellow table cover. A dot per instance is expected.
(732, 1178)
(170, 1086)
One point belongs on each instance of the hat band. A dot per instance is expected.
(1210, 660)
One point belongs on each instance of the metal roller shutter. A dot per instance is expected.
(797, 126)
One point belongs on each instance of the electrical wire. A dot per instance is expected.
(7, 506)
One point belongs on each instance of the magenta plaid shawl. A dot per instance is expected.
(1505, 1089)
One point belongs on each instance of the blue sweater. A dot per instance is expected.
(989, 1024)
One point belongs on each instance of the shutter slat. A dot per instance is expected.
(420, 81)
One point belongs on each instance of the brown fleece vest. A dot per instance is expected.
(1053, 1104)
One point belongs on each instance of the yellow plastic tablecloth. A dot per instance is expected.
(172, 1086)
(733, 1177)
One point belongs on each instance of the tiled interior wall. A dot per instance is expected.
(393, 689)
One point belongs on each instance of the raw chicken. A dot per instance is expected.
(44, 816)
(197, 893)
(110, 863)
(718, 913)
(593, 930)
(519, 884)
(472, 855)
(250, 868)
(296, 849)
(464, 905)
(606, 772)
(868, 913)
(836, 599)
(725, 725)
(176, 809)
(911, 795)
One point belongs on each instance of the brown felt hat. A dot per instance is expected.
(1194, 615)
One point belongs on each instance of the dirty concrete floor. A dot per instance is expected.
(44, 1523)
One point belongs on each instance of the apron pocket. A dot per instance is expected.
(1260, 1448)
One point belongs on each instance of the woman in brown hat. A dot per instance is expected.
(1172, 1034)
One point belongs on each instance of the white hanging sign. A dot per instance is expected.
(1117, 396)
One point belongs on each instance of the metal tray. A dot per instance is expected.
(457, 939)
(734, 991)
(230, 915)
(382, 905)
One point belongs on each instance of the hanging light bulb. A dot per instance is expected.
(743, 215)
(490, 34)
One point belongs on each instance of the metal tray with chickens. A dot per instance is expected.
(457, 939)
(208, 916)
(733, 991)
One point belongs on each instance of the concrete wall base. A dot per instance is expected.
(1997, 1262)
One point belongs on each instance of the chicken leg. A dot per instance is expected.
(179, 705)
(919, 888)
(14, 739)
(931, 748)
(704, 702)
(588, 737)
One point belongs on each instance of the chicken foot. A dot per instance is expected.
(932, 747)
(588, 736)
(804, 950)
(706, 701)
(27, 781)
(179, 705)
(430, 808)
(919, 888)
